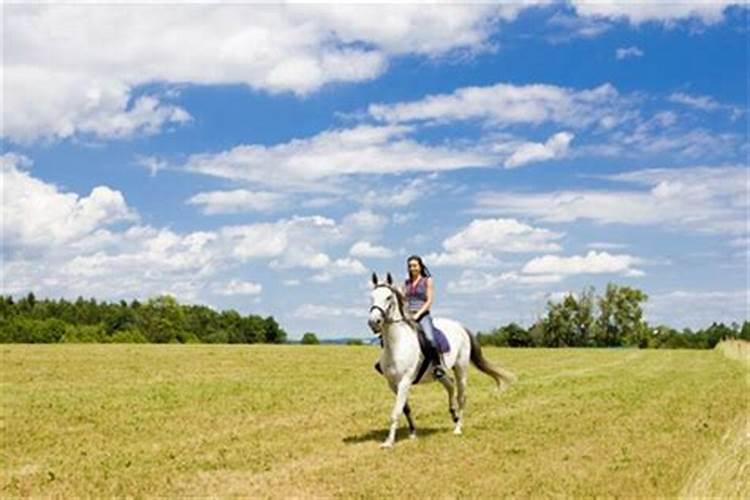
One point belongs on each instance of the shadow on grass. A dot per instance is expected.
(380, 435)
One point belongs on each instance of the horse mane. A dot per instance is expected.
(401, 300)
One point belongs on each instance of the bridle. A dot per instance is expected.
(386, 319)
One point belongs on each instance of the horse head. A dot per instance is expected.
(386, 304)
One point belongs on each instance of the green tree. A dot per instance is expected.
(620, 320)
(310, 338)
(273, 332)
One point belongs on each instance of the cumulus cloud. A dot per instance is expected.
(59, 82)
(238, 201)
(365, 249)
(706, 11)
(317, 311)
(591, 263)
(628, 52)
(334, 154)
(505, 104)
(476, 245)
(476, 282)
(237, 287)
(62, 244)
(502, 236)
(529, 152)
(37, 214)
(701, 199)
(705, 103)
(697, 308)
(462, 257)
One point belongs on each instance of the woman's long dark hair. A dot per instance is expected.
(423, 269)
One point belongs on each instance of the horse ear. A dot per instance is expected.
(374, 278)
(389, 279)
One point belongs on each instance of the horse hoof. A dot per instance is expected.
(457, 431)
(386, 445)
(413, 435)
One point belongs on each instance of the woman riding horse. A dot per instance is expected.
(418, 290)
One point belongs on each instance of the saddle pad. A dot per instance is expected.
(441, 340)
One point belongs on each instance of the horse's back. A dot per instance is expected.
(458, 338)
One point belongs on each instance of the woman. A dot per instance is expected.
(418, 290)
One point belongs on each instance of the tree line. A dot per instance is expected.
(614, 319)
(158, 320)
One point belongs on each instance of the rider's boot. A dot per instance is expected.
(440, 369)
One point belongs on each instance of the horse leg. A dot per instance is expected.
(407, 413)
(410, 421)
(452, 401)
(461, 376)
(402, 393)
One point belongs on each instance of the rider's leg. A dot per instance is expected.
(426, 324)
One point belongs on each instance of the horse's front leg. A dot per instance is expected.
(402, 393)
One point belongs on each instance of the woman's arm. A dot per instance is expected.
(428, 303)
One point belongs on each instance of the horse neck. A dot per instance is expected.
(397, 336)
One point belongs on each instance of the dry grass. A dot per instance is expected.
(291, 421)
(738, 350)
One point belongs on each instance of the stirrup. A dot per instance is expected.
(438, 372)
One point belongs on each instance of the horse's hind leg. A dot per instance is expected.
(410, 421)
(451, 389)
(461, 377)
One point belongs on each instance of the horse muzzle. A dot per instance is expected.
(376, 321)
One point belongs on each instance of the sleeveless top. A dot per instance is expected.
(416, 294)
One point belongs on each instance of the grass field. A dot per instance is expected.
(281, 421)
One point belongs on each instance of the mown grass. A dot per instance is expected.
(281, 421)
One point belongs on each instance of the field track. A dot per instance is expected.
(281, 421)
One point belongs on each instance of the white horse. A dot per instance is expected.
(401, 357)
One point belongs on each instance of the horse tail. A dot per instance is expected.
(503, 378)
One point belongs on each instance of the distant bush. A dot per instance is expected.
(130, 336)
(84, 334)
(159, 320)
(33, 331)
(310, 339)
(355, 342)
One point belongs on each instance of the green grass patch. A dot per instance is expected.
(279, 421)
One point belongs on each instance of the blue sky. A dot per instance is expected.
(268, 158)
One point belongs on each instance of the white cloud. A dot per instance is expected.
(306, 163)
(154, 165)
(702, 199)
(237, 287)
(697, 308)
(366, 249)
(37, 214)
(706, 103)
(316, 311)
(604, 245)
(702, 102)
(565, 28)
(502, 236)
(364, 222)
(338, 268)
(462, 257)
(60, 81)
(591, 263)
(60, 244)
(238, 201)
(555, 147)
(667, 12)
(476, 282)
(628, 52)
(506, 104)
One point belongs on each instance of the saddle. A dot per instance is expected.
(430, 354)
